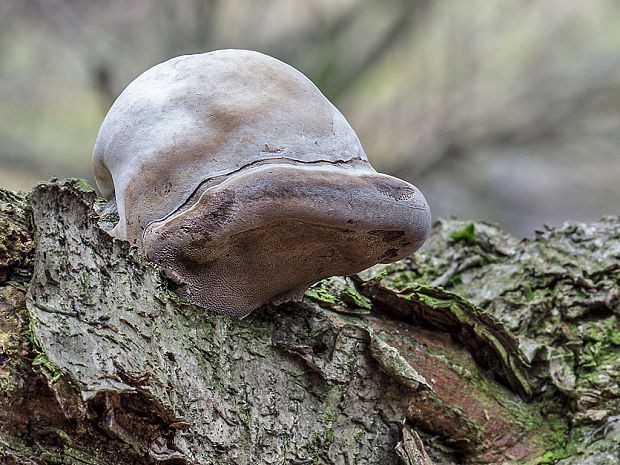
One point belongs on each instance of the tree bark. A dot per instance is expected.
(479, 349)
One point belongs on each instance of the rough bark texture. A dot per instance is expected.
(479, 349)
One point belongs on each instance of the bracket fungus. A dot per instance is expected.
(245, 184)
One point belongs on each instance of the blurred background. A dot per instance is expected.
(503, 111)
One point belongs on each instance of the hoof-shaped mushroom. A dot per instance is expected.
(245, 184)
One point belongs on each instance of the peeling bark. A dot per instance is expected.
(478, 349)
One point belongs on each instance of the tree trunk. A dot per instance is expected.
(478, 349)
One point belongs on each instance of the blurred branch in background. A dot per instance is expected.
(508, 111)
(70, 27)
(342, 58)
(541, 112)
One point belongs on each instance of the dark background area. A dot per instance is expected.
(503, 111)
